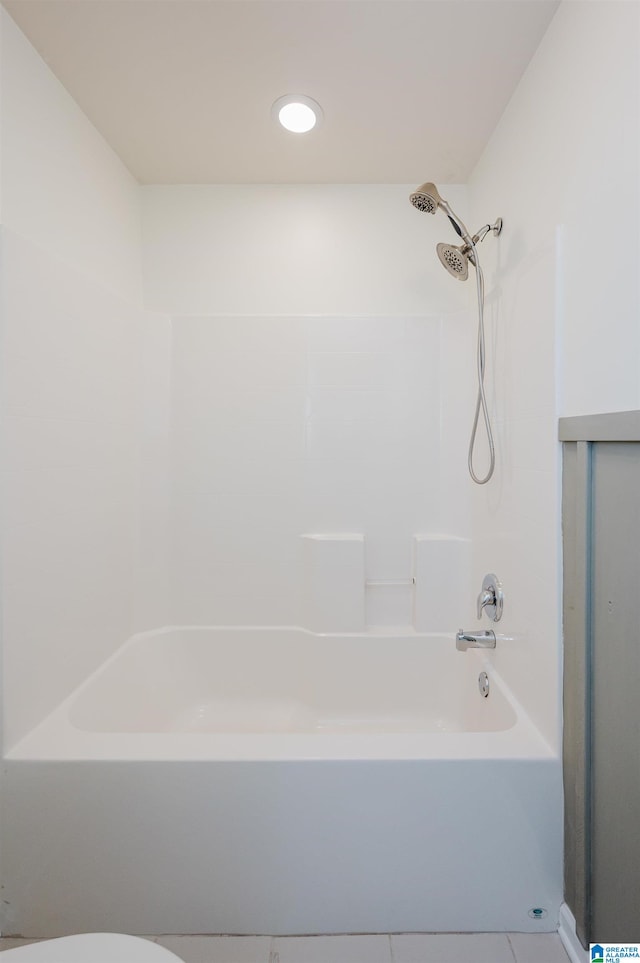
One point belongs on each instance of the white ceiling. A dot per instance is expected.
(182, 89)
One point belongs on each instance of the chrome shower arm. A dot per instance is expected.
(481, 234)
(484, 230)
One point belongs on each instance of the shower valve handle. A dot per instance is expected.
(484, 599)
(491, 598)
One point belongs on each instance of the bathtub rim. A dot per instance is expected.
(54, 738)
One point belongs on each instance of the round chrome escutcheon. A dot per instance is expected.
(483, 684)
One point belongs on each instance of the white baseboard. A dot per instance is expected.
(567, 933)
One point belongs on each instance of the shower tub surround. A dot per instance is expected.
(246, 780)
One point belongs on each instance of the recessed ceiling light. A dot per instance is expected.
(297, 113)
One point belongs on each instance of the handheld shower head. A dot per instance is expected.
(426, 198)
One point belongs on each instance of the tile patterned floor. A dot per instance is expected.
(404, 948)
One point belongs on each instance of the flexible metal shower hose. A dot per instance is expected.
(481, 402)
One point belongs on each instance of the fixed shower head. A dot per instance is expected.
(426, 198)
(455, 259)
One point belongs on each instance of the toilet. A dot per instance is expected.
(91, 948)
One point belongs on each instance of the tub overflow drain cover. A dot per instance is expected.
(483, 684)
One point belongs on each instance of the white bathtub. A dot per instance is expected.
(247, 780)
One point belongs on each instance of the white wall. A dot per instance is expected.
(295, 250)
(74, 394)
(153, 411)
(344, 414)
(284, 426)
(307, 388)
(62, 185)
(295, 294)
(563, 319)
(566, 154)
(71, 356)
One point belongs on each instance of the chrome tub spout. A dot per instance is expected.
(486, 639)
